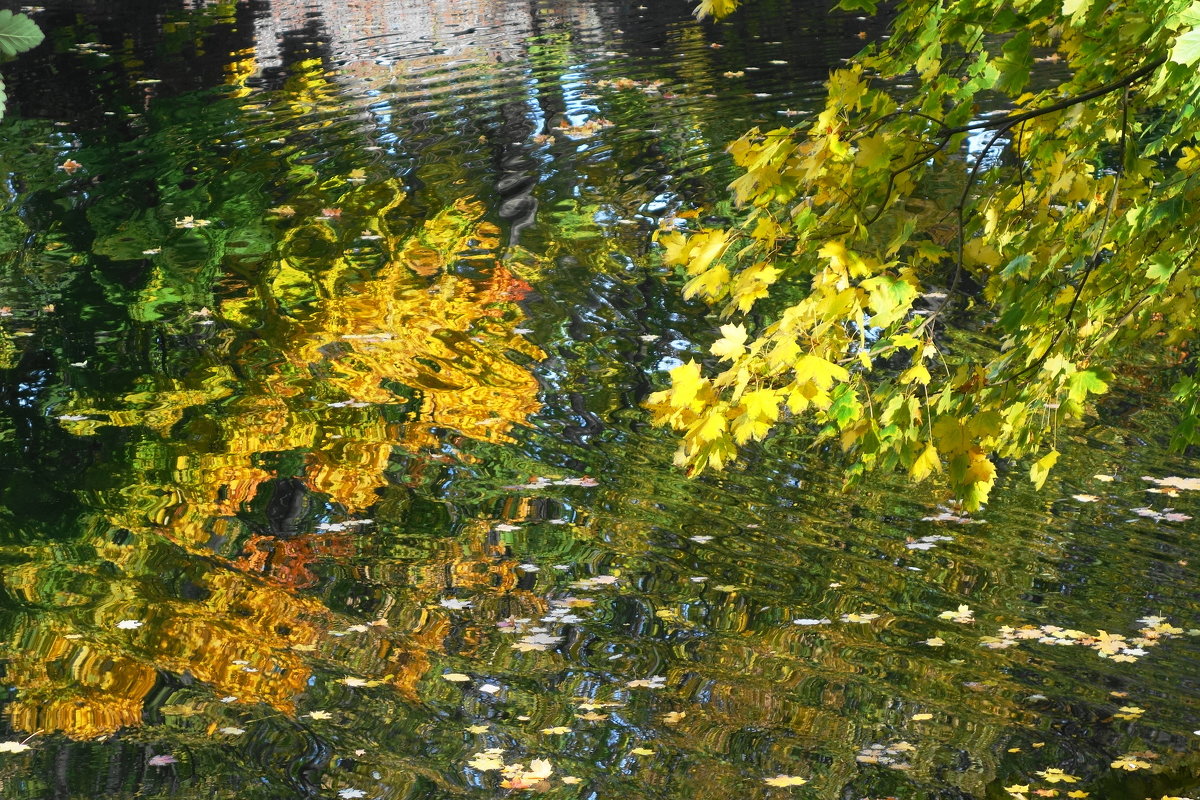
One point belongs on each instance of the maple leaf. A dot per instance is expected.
(732, 342)
(1056, 775)
(785, 780)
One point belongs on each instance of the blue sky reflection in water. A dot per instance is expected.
(325, 329)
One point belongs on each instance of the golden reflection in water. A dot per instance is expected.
(410, 322)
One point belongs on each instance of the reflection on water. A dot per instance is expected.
(325, 329)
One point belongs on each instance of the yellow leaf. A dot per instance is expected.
(917, 373)
(761, 404)
(785, 780)
(686, 383)
(819, 371)
(713, 284)
(642, 751)
(1190, 161)
(1056, 775)
(872, 152)
(732, 342)
(926, 463)
(706, 248)
(1041, 468)
(921, 717)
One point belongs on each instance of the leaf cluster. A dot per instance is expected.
(1066, 218)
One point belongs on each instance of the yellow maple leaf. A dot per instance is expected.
(1056, 775)
(731, 344)
(785, 780)
(925, 463)
(817, 370)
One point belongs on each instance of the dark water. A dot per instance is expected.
(324, 473)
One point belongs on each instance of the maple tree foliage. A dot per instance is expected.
(1066, 219)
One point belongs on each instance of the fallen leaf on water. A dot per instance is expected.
(921, 717)
(69, 166)
(162, 761)
(785, 780)
(673, 717)
(13, 747)
(1130, 764)
(1086, 498)
(642, 751)
(556, 730)
(571, 779)
(487, 760)
(964, 614)
(477, 729)
(130, 624)
(1129, 712)
(231, 731)
(732, 74)
(936, 641)
(456, 677)
(1056, 775)
(318, 714)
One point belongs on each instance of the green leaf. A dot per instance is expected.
(1085, 382)
(1015, 64)
(1076, 8)
(866, 6)
(1187, 48)
(18, 33)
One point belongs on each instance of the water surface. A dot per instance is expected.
(325, 329)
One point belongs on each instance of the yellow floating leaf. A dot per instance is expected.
(785, 780)
(1056, 775)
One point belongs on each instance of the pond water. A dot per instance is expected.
(324, 329)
